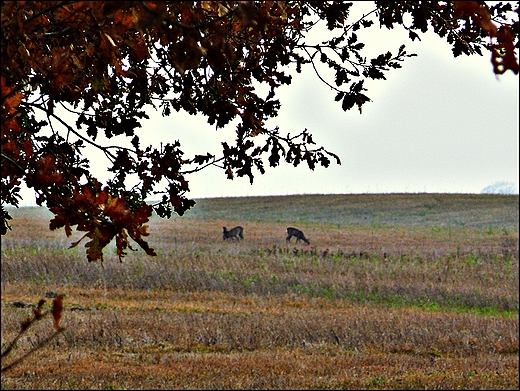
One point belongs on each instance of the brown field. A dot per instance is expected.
(394, 292)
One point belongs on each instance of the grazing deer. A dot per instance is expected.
(291, 231)
(234, 233)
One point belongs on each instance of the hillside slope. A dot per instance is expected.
(470, 210)
(482, 211)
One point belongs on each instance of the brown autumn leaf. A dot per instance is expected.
(57, 309)
(100, 237)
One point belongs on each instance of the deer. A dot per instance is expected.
(234, 233)
(291, 231)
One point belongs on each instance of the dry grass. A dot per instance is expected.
(362, 307)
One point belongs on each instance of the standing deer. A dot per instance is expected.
(234, 233)
(291, 231)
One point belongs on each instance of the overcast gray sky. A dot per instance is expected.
(439, 124)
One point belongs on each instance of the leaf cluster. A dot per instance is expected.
(465, 24)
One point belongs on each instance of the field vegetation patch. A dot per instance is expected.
(407, 301)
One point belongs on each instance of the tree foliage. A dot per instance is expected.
(108, 63)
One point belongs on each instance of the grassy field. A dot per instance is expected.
(395, 291)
